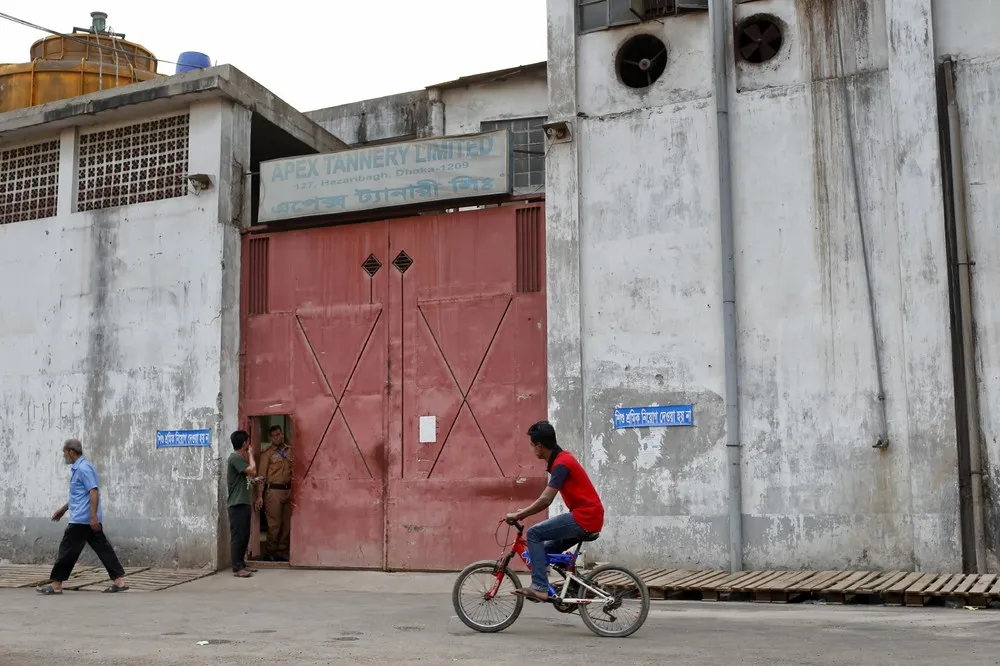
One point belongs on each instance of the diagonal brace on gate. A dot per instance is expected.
(472, 385)
(338, 399)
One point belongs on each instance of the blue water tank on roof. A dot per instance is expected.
(190, 60)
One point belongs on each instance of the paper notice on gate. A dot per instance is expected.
(428, 429)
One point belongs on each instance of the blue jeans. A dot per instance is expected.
(550, 536)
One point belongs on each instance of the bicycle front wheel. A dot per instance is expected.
(622, 606)
(474, 604)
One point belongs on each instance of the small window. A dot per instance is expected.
(527, 139)
(593, 15)
(602, 14)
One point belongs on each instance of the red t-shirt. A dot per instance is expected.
(567, 476)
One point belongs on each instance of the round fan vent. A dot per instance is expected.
(758, 39)
(641, 61)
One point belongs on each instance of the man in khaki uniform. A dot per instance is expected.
(276, 470)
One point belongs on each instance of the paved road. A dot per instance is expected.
(302, 617)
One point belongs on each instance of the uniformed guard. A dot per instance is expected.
(276, 472)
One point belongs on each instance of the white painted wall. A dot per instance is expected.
(112, 331)
(636, 253)
(523, 96)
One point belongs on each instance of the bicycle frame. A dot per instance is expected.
(567, 560)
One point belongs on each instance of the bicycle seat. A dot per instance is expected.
(591, 536)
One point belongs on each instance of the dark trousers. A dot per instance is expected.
(239, 535)
(74, 539)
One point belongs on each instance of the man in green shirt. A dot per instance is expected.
(240, 471)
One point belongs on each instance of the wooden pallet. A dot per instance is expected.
(29, 575)
(153, 580)
(96, 578)
(780, 586)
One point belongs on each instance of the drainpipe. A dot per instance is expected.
(720, 15)
(962, 261)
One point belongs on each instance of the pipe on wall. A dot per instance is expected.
(964, 321)
(720, 14)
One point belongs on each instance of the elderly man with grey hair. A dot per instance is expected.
(85, 524)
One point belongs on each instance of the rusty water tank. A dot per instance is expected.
(64, 66)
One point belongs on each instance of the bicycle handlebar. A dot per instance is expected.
(519, 526)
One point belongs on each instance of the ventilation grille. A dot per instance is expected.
(371, 265)
(402, 262)
(133, 164)
(257, 276)
(29, 182)
(529, 250)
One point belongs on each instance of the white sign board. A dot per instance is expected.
(428, 429)
(391, 175)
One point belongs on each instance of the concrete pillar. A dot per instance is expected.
(562, 229)
(66, 196)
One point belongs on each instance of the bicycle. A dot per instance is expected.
(571, 597)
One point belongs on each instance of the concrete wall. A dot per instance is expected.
(635, 293)
(436, 111)
(522, 96)
(963, 30)
(404, 115)
(120, 324)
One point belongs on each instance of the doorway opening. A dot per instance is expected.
(270, 524)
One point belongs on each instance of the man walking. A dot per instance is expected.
(240, 471)
(86, 527)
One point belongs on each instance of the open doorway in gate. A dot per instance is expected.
(272, 443)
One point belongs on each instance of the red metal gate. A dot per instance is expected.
(359, 331)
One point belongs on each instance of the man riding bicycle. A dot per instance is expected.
(586, 512)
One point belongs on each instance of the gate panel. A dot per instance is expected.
(470, 353)
(326, 295)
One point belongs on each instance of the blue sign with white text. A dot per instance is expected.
(654, 417)
(172, 438)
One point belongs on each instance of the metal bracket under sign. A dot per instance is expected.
(665, 416)
(166, 439)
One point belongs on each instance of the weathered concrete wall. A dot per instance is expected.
(404, 115)
(864, 158)
(522, 96)
(116, 335)
(645, 233)
(964, 30)
(457, 110)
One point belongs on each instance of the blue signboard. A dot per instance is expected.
(654, 417)
(172, 438)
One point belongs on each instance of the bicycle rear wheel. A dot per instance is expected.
(469, 597)
(627, 609)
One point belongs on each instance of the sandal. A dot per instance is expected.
(111, 589)
(47, 590)
(243, 573)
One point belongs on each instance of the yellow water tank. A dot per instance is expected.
(64, 66)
